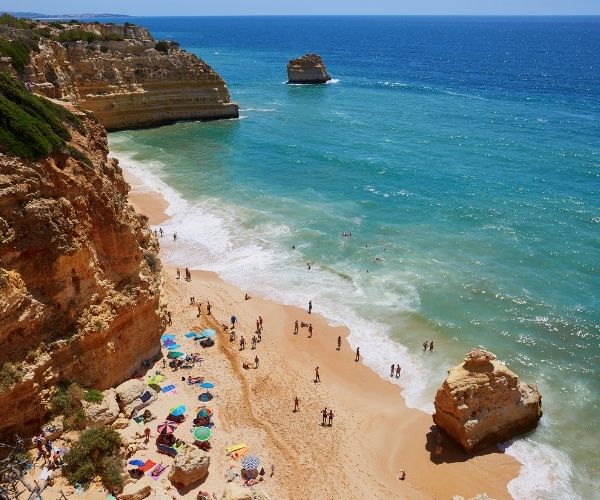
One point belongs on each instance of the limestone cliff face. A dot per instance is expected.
(79, 277)
(128, 83)
(307, 69)
(482, 403)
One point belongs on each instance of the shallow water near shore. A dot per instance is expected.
(464, 157)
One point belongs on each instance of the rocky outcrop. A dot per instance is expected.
(190, 466)
(307, 69)
(79, 277)
(133, 395)
(104, 412)
(482, 403)
(125, 81)
(135, 491)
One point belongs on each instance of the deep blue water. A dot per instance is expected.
(464, 156)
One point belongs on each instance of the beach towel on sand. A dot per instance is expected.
(139, 419)
(236, 455)
(146, 396)
(147, 466)
(168, 388)
(157, 471)
(235, 447)
(189, 335)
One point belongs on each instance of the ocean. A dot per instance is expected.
(463, 154)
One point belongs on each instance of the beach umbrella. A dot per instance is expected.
(207, 332)
(204, 412)
(250, 462)
(175, 354)
(207, 385)
(166, 427)
(177, 411)
(136, 462)
(173, 347)
(201, 433)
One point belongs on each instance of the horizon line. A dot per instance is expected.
(88, 14)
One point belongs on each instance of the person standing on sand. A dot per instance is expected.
(310, 330)
(192, 300)
(242, 343)
(431, 345)
(169, 321)
(255, 362)
(309, 306)
(339, 343)
(324, 414)
(296, 327)
(178, 273)
(296, 404)
(357, 358)
(253, 341)
(147, 435)
(160, 231)
(233, 320)
(208, 306)
(330, 418)
(317, 378)
(398, 370)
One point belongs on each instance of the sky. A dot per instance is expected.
(306, 7)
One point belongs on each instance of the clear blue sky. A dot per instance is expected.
(278, 7)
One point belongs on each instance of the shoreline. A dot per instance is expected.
(376, 434)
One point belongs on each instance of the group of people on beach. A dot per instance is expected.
(188, 274)
(428, 343)
(395, 370)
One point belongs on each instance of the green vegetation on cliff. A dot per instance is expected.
(18, 52)
(30, 126)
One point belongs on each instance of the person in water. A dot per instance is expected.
(309, 306)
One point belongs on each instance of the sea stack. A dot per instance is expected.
(482, 403)
(308, 69)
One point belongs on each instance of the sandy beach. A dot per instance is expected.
(374, 435)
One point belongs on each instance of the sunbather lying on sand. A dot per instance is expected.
(195, 380)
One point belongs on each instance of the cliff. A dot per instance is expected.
(122, 74)
(79, 272)
(482, 403)
(307, 69)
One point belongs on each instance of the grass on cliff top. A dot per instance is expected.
(30, 126)
(77, 35)
(94, 454)
(15, 22)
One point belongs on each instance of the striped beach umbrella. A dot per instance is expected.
(250, 462)
(201, 433)
(204, 412)
(166, 428)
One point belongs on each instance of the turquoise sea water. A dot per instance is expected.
(464, 156)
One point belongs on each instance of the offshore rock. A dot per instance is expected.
(307, 69)
(482, 403)
(125, 80)
(79, 277)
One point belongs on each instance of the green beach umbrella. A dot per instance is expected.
(175, 354)
(201, 433)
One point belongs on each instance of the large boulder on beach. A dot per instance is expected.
(133, 395)
(135, 491)
(104, 412)
(190, 466)
(482, 403)
(307, 69)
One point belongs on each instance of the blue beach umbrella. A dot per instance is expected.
(177, 411)
(136, 462)
(207, 385)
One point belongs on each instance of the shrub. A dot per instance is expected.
(103, 48)
(79, 156)
(94, 455)
(76, 35)
(112, 37)
(93, 396)
(31, 126)
(67, 399)
(162, 46)
(152, 260)
(17, 51)
(9, 376)
(13, 22)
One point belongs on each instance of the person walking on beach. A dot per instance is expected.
(233, 320)
(309, 306)
(208, 306)
(339, 347)
(188, 274)
(199, 310)
(296, 327)
(398, 370)
(324, 414)
(147, 435)
(255, 362)
(259, 337)
(310, 330)
(192, 300)
(178, 273)
(242, 343)
(392, 370)
(257, 326)
(431, 345)
(169, 320)
(296, 404)
(425, 345)
(330, 418)
(253, 341)
(357, 357)
(317, 378)
(260, 321)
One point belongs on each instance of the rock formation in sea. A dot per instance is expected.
(79, 271)
(307, 69)
(122, 74)
(482, 403)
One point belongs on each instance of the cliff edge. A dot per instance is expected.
(307, 69)
(482, 403)
(79, 271)
(121, 73)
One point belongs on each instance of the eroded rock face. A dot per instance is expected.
(129, 396)
(128, 83)
(190, 466)
(105, 412)
(482, 403)
(79, 277)
(307, 69)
